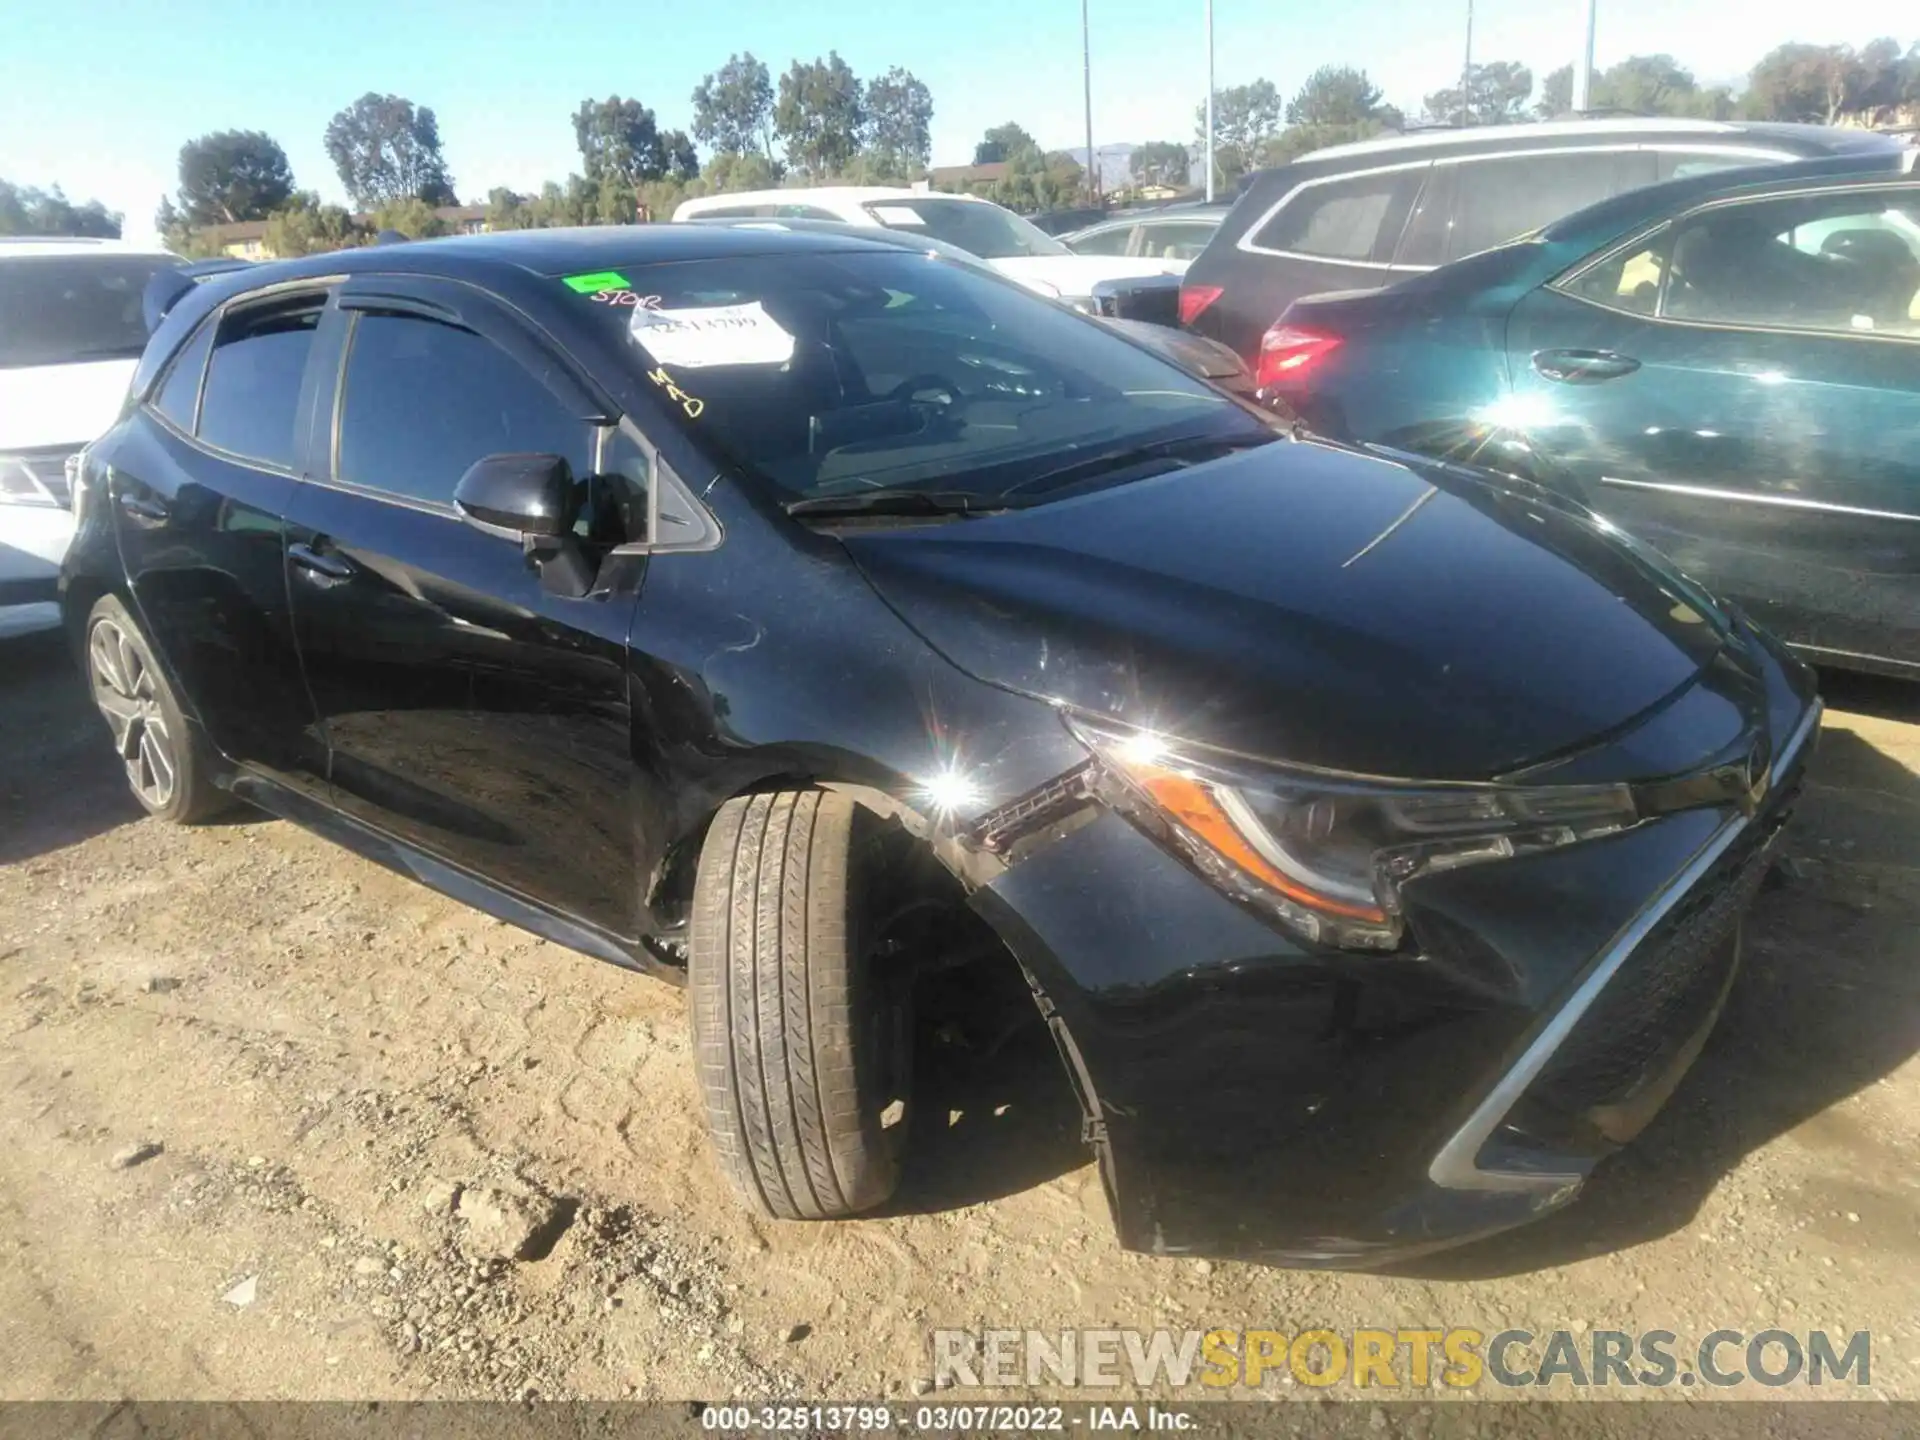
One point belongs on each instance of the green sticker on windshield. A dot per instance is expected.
(596, 282)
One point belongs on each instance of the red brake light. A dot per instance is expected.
(1289, 352)
(1194, 299)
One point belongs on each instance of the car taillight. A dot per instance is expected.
(1289, 352)
(1194, 299)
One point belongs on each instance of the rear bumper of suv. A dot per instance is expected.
(1249, 1097)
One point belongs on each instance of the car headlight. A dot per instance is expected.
(1328, 853)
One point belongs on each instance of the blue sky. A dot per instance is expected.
(97, 95)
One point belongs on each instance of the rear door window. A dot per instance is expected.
(179, 394)
(251, 397)
(1174, 239)
(1358, 218)
(1629, 282)
(1429, 232)
(1111, 241)
(1845, 262)
(1499, 199)
(423, 400)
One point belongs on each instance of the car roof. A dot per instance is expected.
(819, 195)
(1629, 210)
(506, 262)
(15, 247)
(1808, 140)
(547, 253)
(866, 234)
(1202, 211)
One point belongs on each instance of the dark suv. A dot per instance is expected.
(1364, 215)
(817, 622)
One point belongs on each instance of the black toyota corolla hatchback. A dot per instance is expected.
(1373, 835)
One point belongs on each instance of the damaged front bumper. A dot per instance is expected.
(1251, 1096)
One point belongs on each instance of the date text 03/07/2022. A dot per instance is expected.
(942, 1418)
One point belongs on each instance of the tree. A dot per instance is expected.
(411, 216)
(232, 175)
(1245, 117)
(1334, 95)
(683, 161)
(385, 148)
(573, 203)
(1002, 143)
(1822, 83)
(304, 226)
(619, 140)
(899, 110)
(507, 209)
(25, 210)
(1645, 85)
(1496, 94)
(820, 115)
(1035, 181)
(733, 108)
(728, 171)
(1160, 162)
(1556, 95)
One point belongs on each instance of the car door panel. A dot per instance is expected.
(470, 712)
(199, 533)
(1776, 467)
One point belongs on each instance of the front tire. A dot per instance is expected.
(164, 757)
(797, 1042)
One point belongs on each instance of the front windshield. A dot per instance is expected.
(982, 228)
(64, 309)
(837, 373)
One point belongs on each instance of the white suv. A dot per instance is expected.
(1017, 248)
(71, 332)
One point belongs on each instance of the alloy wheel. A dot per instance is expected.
(127, 692)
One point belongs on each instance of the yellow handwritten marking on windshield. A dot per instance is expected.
(693, 405)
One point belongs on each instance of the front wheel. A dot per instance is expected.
(798, 1036)
(165, 762)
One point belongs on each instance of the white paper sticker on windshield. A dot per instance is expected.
(897, 215)
(712, 335)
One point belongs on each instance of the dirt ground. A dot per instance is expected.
(324, 1051)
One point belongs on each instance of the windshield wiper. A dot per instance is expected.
(901, 501)
(1179, 450)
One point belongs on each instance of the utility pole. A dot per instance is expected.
(1209, 102)
(1466, 73)
(1086, 75)
(1583, 70)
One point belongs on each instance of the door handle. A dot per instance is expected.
(332, 567)
(151, 511)
(1583, 367)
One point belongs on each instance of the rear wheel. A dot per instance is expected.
(800, 1034)
(164, 760)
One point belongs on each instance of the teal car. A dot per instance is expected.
(1725, 366)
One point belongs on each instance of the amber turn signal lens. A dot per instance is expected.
(1192, 804)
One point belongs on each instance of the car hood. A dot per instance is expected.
(1074, 275)
(60, 404)
(1308, 603)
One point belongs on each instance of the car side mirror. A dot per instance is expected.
(532, 499)
(519, 497)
